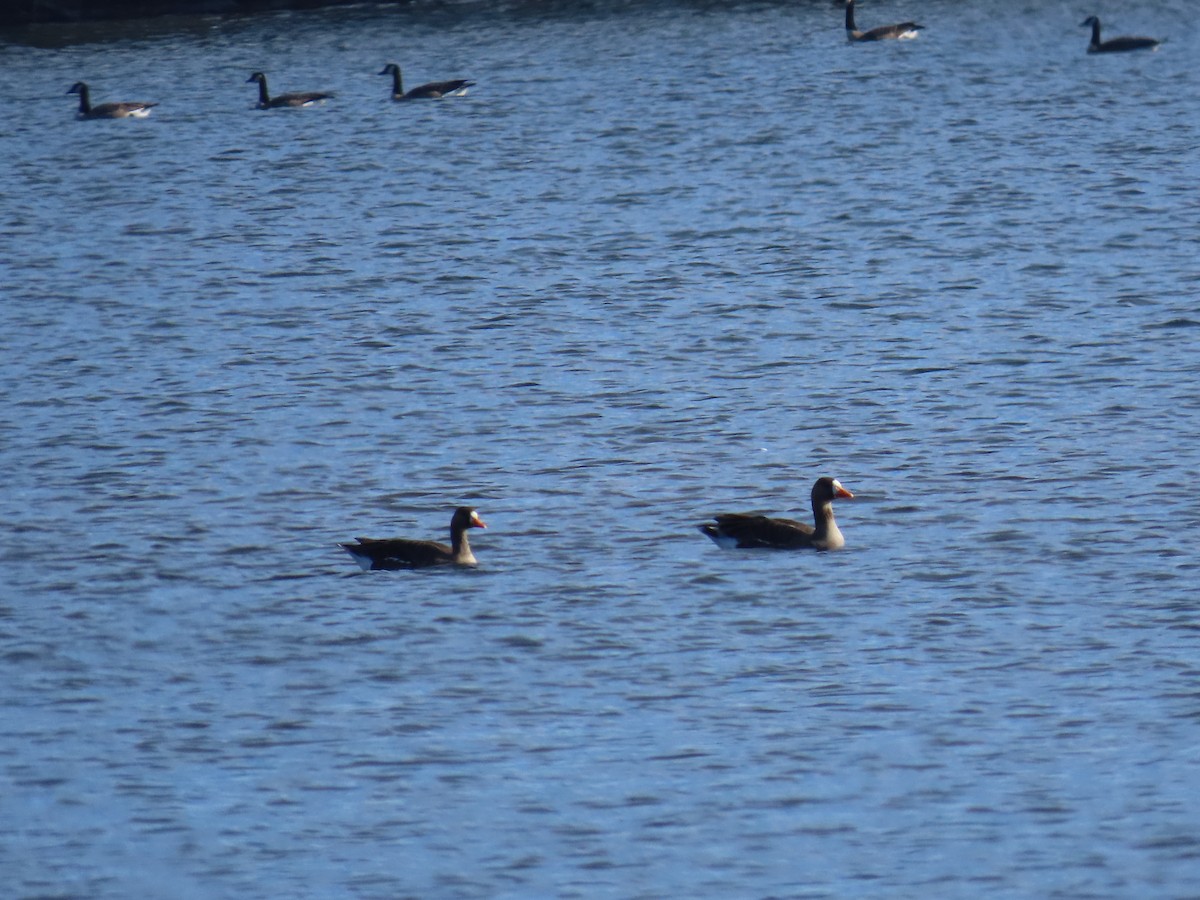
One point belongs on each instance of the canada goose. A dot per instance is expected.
(747, 530)
(903, 31)
(435, 90)
(266, 101)
(402, 553)
(107, 110)
(1117, 44)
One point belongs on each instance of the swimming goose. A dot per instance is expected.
(747, 530)
(435, 90)
(1117, 44)
(903, 31)
(107, 110)
(266, 101)
(401, 553)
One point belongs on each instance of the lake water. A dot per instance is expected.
(665, 260)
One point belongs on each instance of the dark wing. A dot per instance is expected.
(299, 99)
(118, 110)
(761, 531)
(888, 32)
(399, 553)
(1118, 44)
(436, 89)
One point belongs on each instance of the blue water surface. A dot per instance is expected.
(664, 260)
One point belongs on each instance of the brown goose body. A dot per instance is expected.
(435, 90)
(1117, 44)
(899, 32)
(402, 553)
(284, 101)
(107, 110)
(744, 531)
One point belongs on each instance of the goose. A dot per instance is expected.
(746, 530)
(266, 101)
(903, 31)
(402, 553)
(435, 90)
(1117, 44)
(107, 110)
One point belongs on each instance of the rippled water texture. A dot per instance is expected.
(664, 261)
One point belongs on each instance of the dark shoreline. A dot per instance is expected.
(48, 12)
(20, 13)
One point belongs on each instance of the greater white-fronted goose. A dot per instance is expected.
(1117, 44)
(901, 32)
(107, 110)
(435, 90)
(266, 101)
(401, 553)
(747, 531)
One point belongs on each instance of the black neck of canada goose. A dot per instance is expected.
(397, 80)
(264, 98)
(1095, 23)
(85, 99)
